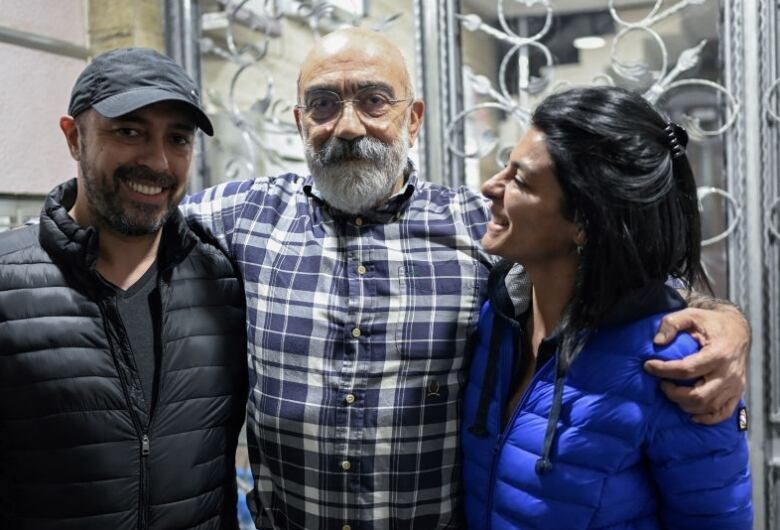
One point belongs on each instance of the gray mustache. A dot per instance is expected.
(337, 150)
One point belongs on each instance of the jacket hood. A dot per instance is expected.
(509, 289)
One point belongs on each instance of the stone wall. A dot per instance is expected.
(120, 23)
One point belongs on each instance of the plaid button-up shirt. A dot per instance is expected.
(357, 328)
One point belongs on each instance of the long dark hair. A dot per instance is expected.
(634, 199)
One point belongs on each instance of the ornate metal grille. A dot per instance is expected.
(746, 247)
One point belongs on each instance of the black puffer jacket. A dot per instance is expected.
(77, 447)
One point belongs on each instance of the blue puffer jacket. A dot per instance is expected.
(619, 456)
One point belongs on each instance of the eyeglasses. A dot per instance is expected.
(325, 105)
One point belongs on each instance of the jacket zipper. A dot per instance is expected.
(156, 391)
(145, 439)
(145, 450)
(502, 439)
(145, 443)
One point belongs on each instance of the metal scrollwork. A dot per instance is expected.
(692, 123)
(480, 150)
(268, 117)
(664, 80)
(706, 191)
(528, 3)
(772, 211)
(772, 91)
(653, 16)
(663, 83)
(502, 98)
(535, 84)
(260, 121)
(257, 53)
(635, 71)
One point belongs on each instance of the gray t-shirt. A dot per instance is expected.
(139, 307)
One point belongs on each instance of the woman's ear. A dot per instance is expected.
(579, 237)
(580, 234)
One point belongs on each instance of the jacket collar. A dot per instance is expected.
(650, 299)
(509, 291)
(76, 247)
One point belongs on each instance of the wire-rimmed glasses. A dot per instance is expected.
(324, 105)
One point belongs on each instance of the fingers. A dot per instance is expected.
(673, 323)
(719, 367)
(692, 367)
(704, 398)
(720, 415)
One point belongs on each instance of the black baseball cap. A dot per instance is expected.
(126, 79)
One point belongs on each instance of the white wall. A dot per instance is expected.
(34, 92)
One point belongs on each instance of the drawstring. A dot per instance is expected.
(544, 464)
(503, 311)
(478, 428)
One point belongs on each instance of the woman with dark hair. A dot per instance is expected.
(563, 429)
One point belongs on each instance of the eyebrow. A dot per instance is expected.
(516, 164)
(354, 87)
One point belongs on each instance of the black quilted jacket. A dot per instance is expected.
(77, 447)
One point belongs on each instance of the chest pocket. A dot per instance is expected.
(439, 304)
(436, 279)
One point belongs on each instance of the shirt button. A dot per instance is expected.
(361, 269)
(356, 332)
(350, 399)
(346, 466)
(359, 221)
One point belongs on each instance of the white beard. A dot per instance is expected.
(364, 181)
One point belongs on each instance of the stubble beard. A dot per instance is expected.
(105, 203)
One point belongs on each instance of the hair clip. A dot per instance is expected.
(677, 138)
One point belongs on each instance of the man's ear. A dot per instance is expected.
(297, 114)
(71, 132)
(416, 119)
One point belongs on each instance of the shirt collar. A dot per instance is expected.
(388, 212)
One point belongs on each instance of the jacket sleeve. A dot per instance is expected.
(702, 471)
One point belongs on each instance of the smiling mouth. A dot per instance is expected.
(144, 189)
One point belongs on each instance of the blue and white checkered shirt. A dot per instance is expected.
(357, 328)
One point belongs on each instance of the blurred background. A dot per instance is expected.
(481, 66)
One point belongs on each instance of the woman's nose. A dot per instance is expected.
(493, 187)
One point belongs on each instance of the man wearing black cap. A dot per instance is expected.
(122, 339)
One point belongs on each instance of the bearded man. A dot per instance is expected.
(122, 364)
(363, 283)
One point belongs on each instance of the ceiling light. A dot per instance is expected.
(589, 43)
